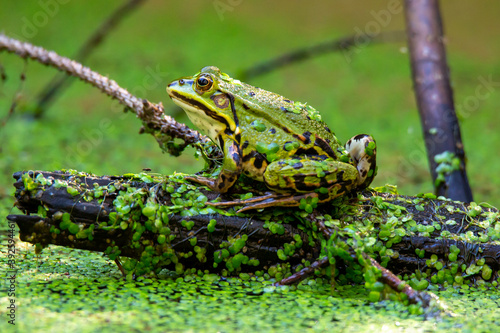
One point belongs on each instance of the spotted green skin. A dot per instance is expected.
(272, 139)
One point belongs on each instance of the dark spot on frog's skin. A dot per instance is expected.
(328, 129)
(283, 109)
(340, 177)
(235, 156)
(309, 151)
(258, 158)
(288, 101)
(272, 130)
(302, 186)
(308, 118)
(251, 93)
(324, 146)
(248, 156)
(228, 132)
(245, 145)
(300, 182)
(305, 137)
(221, 185)
(221, 142)
(222, 177)
(285, 129)
(363, 173)
(246, 107)
(359, 137)
(323, 196)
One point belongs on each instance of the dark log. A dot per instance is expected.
(263, 243)
(434, 97)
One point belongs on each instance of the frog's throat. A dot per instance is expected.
(208, 125)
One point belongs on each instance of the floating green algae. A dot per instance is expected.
(64, 290)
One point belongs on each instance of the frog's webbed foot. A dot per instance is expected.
(363, 151)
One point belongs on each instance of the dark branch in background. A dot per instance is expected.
(60, 82)
(434, 96)
(164, 128)
(17, 96)
(349, 43)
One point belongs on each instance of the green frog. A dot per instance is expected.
(274, 140)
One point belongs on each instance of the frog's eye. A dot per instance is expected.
(204, 83)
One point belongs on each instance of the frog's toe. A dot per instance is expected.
(264, 201)
(242, 202)
(363, 151)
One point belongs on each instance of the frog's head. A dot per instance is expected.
(210, 109)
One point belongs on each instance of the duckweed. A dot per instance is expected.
(351, 230)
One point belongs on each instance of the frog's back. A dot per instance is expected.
(298, 118)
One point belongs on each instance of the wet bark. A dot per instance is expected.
(262, 244)
(434, 96)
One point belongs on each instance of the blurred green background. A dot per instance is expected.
(365, 90)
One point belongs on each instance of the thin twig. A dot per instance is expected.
(428, 301)
(59, 82)
(303, 273)
(338, 44)
(16, 98)
(164, 128)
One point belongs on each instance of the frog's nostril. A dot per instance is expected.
(181, 82)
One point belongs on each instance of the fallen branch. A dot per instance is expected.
(164, 222)
(164, 128)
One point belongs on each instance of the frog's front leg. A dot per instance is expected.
(231, 169)
(363, 152)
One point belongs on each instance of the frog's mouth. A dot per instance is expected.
(205, 119)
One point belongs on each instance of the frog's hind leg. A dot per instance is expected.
(281, 199)
(269, 196)
(268, 200)
(363, 151)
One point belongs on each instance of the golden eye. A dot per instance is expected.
(204, 83)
